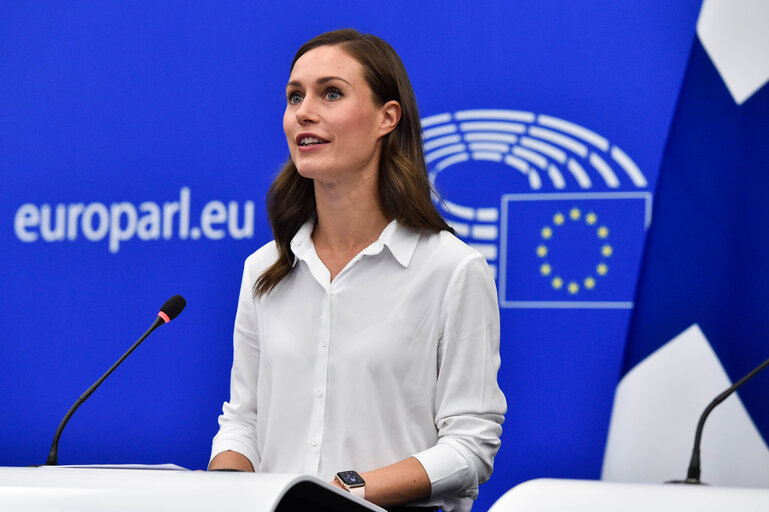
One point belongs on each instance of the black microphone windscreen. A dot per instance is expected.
(173, 306)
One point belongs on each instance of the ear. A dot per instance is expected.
(390, 116)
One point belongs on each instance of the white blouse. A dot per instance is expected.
(396, 357)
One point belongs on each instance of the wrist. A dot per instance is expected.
(352, 482)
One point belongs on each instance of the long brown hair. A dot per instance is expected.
(404, 188)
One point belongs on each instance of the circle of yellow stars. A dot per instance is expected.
(606, 251)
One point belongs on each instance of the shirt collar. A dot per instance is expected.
(400, 240)
(301, 244)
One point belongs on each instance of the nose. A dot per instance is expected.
(306, 112)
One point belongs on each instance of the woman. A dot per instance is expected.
(367, 335)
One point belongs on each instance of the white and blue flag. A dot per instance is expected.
(701, 317)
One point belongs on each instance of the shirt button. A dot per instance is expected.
(319, 392)
(314, 442)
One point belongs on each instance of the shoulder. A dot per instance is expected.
(261, 259)
(446, 258)
(445, 249)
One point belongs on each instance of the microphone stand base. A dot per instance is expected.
(689, 481)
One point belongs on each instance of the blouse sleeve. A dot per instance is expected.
(237, 424)
(469, 405)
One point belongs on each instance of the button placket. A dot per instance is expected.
(319, 409)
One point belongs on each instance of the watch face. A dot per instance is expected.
(351, 478)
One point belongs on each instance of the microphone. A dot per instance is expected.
(168, 312)
(694, 471)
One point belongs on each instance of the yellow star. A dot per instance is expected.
(603, 232)
(606, 250)
(558, 219)
(575, 214)
(602, 269)
(573, 288)
(591, 218)
(557, 283)
(589, 283)
(542, 251)
(547, 232)
(545, 269)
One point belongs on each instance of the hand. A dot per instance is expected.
(230, 460)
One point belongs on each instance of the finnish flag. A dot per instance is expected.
(701, 317)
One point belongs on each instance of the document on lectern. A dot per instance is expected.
(164, 467)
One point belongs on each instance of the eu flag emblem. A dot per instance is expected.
(571, 250)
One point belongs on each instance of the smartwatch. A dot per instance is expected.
(353, 482)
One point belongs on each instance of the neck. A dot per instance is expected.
(350, 216)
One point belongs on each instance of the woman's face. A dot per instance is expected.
(332, 124)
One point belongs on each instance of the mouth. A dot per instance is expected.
(305, 140)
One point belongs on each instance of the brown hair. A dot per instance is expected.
(404, 188)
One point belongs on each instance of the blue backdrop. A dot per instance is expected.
(138, 140)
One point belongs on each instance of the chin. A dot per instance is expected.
(306, 171)
(312, 168)
(311, 172)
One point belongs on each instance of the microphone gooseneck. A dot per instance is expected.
(168, 312)
(695, 470)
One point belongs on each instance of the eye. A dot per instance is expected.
(333, 94)
(294, 98)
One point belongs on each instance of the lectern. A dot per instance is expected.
(551, 495)
(91, 489)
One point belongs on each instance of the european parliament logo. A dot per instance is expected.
(521, 188)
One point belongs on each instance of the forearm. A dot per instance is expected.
(397, 484)
(231, 460)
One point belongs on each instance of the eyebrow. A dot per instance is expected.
(319, 81)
